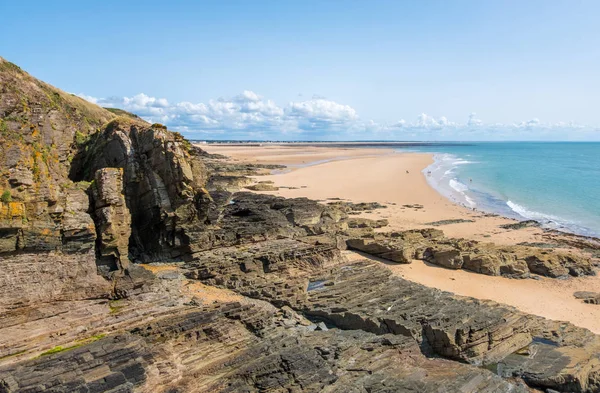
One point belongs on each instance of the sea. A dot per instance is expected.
(554, 183)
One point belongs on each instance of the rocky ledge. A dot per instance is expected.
(432, 246)
(130, 261)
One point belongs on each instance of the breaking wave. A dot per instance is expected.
(441, 175)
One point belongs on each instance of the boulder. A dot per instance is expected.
(262, 186)
(357, 222)
(447, 257)
(393, 251)
(546, 265)
(588, 297)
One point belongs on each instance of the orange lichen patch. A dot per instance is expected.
(160, 268)
(210, 294)
(10, 210)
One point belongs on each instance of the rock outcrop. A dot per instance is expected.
(588, 297)
(113, 220)
(262, 186)
(163, 184)
(430, 245)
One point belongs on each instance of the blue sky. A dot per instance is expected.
(405, 70)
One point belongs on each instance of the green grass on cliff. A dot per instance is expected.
(121, 112)
(6, 196)
(86, 115)
(115, 306)
(79, 343)
(7, 66)
(3, 127)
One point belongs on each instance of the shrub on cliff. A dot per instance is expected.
(6, 197)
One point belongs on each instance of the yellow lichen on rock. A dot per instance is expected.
(12, 210)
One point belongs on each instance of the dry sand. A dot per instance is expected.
(293, 156)
(379, 175)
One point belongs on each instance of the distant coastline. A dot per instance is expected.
(357, 144)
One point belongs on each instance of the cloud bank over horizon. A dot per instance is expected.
(249, 115)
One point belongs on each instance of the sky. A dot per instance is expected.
(324, 70)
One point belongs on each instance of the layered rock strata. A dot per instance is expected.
(486, 258)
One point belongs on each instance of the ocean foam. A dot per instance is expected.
(470, 201)
(464, 162)
(550, 221)
(462, 188)
(532, 215)
(441, 176)
(458, 186)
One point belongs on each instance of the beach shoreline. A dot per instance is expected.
(396, 179)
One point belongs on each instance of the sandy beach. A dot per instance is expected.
(396, 180)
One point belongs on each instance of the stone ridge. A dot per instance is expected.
(486, 258)
(287, 356)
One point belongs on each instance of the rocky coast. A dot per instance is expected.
(360, 175)
(134, 261)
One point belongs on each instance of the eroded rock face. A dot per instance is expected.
(246, 217)
(41, 128)
(27, 279)
(163, 182)
(113, 220)
(363, 296)
(249, 270)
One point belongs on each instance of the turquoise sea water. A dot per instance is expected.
(557, 184)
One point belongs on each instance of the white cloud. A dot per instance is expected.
(319, 113)
(247, 96)
(399, 124)
(473, 120)
(250, 115)
(91, 99)
(429, 122)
